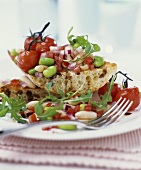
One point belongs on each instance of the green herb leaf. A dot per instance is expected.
(10, 105)
(3, 112)
(50, 96)
(106, 97)
(52, 111)
(82, 41)
(61, 94)
(96, 47)
(82, 98)
(38, 109)
(48, 87)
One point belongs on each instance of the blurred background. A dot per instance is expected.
(113, 24)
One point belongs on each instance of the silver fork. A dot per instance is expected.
(109, 117)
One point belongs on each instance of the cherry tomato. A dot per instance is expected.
(27, 42)
(32, 118)
(27, 60)
(132, 94)
(45, 44)
(50, 41)
(88, 60)
(116, 88)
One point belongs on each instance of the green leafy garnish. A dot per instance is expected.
(82, 41)
(51, 111)
(106, 97)
(12, 106)
(83, 98)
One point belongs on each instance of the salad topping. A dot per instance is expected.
(42, 57)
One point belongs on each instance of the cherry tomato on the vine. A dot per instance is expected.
(45, 44)
(27, 43)
(132, 94)
(116, 88)
(27, 60)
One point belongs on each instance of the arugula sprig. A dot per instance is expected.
(12, 106)
(106, 97)
(69, 96)
(82, 41)
(52, 111)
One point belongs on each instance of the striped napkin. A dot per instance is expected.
(115, 152)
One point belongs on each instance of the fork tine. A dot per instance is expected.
(124, 109)
(121, 110)
(113, 114)
(118, 107)
(107, 113)
(113, 107)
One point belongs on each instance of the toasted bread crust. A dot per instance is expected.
(27, 93)
(70, 82)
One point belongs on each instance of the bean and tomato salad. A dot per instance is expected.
(42, 56)
(82, 110)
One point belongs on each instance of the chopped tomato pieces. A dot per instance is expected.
(88, 107)
(32, 118)
(15, 82)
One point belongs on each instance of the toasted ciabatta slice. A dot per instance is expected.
(70, 81)
(23, 87)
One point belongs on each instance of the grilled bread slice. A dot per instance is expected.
(28, 94)
(66, 81)
(70, 81)
(22, 86)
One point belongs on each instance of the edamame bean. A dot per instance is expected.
(82, 106)
(67, 127)
(46, 61)
(98, 61)
(47, 108)
(49, 118)
(50, 71)
(14, 53)
(32, 71)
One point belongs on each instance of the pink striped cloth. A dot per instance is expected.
(116, 152)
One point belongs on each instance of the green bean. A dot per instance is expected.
(46, 61)
(32, 71)
(50, 71)
(98, 61)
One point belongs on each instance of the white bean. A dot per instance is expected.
(62, 112)
(31, 104)
(28, 82)
(85, 67)
(40, 68)
(86, 115)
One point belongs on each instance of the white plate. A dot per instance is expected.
(126, 124)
